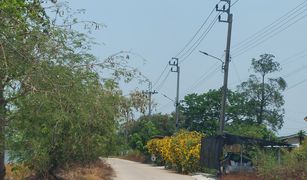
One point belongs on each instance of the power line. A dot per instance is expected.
(199, 40)
(234, 3)
(251, 46)
(160, 76)
(205, 78)
(194, 36)
(296, 71)
(164, 106)
(270, 31)
(236, 71)
(164, 95)
(287, 60)
(163, 81)
(202, 78)
(297, 84)
(266, 28)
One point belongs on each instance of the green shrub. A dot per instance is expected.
(292, 165)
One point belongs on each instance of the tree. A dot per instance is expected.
(23, 31)
(54, 107)
(50, 129)
(164, 123)
(301, 135)
(253, 130)
(201, 112)
(264, 96)
(145, 127)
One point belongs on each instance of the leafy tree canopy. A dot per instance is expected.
(264, 95)
(58, 103)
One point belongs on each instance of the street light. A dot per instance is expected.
(211, 56)
(214, 58)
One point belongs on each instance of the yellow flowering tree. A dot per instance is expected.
(181, 150)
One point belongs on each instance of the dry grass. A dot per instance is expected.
(94, 171)
(98, 170)
(16, 172)
(240, 176)
(134, 156)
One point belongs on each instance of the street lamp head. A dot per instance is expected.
(204, 53)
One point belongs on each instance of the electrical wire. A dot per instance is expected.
(200, 39)
(205, 78)
(261, 31)
(234, 3)
(163, 82)
(295, 85)
(160, 76)
(164, 106)
(202, 78)
(287, 60)
(296, 71)
(270, 31)
(164, 95)
(194, 36)
(269, 37)
(236, 71)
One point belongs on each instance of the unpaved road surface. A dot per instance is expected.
(128, 170)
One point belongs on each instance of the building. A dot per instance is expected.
(294, 139)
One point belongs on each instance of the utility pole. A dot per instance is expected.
(150, 93)
(177, 70)
(227, 60)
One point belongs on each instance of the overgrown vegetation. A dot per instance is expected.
(292, 165)
(57, 108)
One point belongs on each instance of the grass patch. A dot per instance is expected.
(135, 156)
(98, 170)
(16, 172)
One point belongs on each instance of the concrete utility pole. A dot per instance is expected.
(227, 60)
(177, 70)
(150, 93)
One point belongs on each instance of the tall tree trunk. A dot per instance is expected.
(260, 120)
(2, 133)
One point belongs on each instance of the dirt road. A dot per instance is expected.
(128, 170)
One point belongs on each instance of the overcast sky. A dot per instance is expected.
(158, 29)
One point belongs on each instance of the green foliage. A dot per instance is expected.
(23, 42)
(293, 165)
(49, 129)
(265, 64)
(201, 112)
(264, 96)
(143, 129)
(164, 123)
(56, 108)
(251, 130)
(301, 135)
(254, 108)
